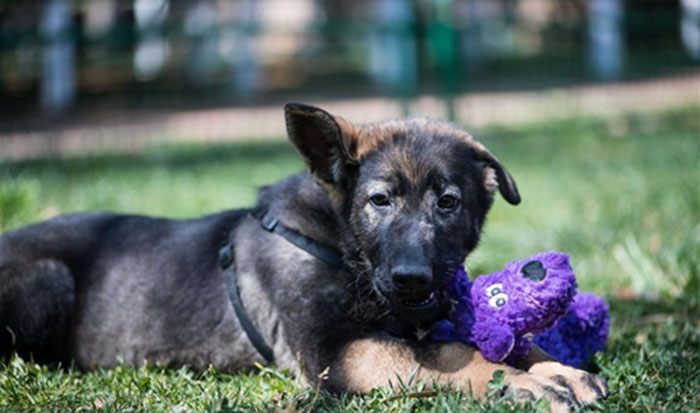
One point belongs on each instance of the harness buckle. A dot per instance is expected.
(269, 222)
(225, 256)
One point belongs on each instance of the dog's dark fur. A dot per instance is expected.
(404, 201)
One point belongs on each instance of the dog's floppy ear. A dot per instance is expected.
(506, 184)
(324, 141)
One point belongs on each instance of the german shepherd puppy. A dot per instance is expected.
(402, 201)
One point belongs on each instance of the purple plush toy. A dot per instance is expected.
(501, 311)
(580, 333)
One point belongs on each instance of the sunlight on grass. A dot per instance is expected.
(621, 197)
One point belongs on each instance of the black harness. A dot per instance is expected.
(270, 223)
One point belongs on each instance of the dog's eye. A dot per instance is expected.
(498, 300)
(494, 289)
(380, 200)
(447, 202)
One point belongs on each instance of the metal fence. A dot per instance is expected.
(63, 55)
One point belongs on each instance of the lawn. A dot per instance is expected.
(622, 196)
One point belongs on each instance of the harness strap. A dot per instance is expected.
(270, 223)
(228, 266)
(329, 255)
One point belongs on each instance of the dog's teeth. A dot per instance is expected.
(419, 303)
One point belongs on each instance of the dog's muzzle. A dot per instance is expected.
(420, 310)
(418, 307)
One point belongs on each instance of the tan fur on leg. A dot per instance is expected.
(375, 362)
(371, 363)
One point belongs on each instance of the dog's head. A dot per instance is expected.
(414, 194)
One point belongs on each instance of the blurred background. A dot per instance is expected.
(166, 68)
(174, 107)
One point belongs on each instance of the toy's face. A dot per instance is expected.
(497, 298)
(528, 295)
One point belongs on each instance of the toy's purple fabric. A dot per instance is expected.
(580, 333)
(497, 311)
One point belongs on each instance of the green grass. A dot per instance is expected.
(621, 196)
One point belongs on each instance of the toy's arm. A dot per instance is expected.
(493, 339)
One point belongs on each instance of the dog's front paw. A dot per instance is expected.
(586, 387)
(526, 386)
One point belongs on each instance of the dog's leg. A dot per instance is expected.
(588, 387)
(36, 302)
(373, 362)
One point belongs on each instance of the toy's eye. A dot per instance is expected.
(498, 300)
(494, 289)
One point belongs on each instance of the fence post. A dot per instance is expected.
(605, 35)
(247, 74)
(392, 45)
(151, 47)
(690, 27)
(58, 57)
(443, 42)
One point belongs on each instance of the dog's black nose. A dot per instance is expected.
(411, 277)
(534, 270)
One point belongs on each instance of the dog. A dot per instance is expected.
(334, 274)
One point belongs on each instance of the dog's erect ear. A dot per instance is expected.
(506, 184)
(324, 141)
